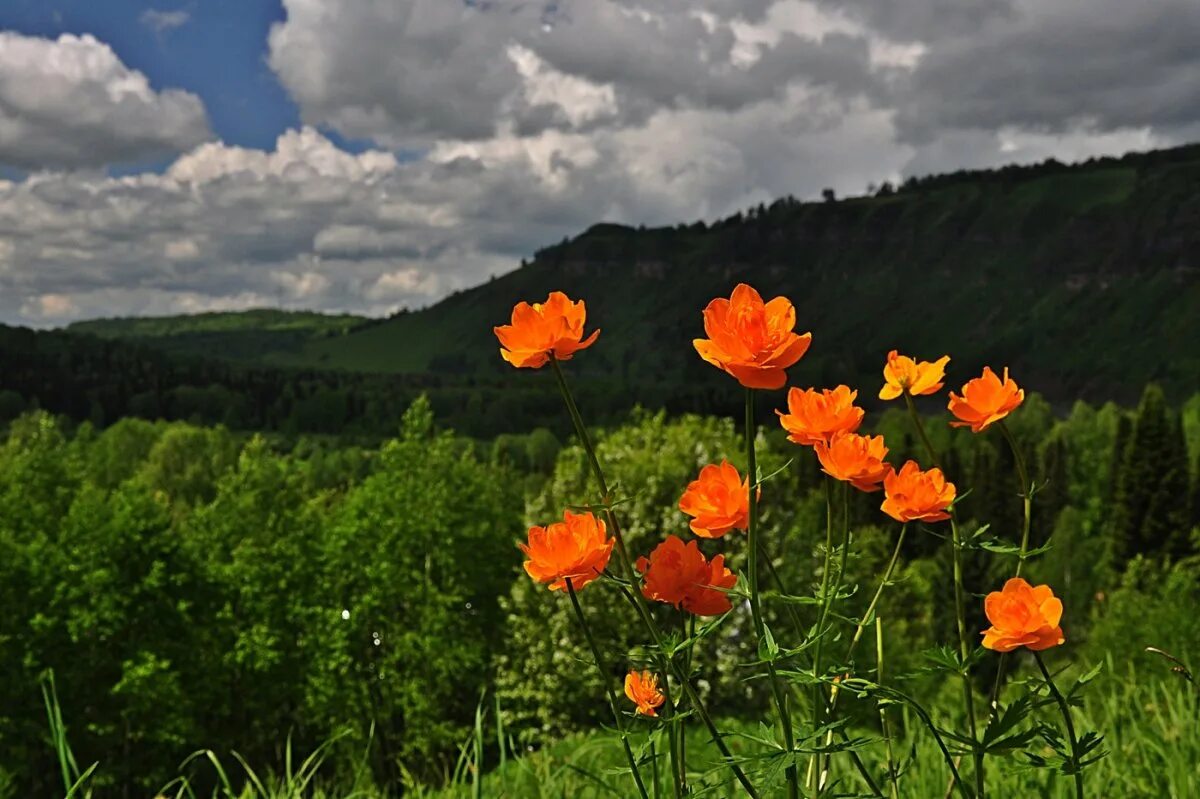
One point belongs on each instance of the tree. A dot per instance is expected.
(828, 195)
(1151, 512)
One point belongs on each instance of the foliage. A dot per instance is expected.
(189, 587)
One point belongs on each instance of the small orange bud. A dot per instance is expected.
(641, 687)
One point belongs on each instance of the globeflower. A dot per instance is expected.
(642, 689)
(718, 501)
(575, 549)
(751, 340)
(816, 416)
(1022, 615)
(854, 459)
(902, 373)
(913, 495)
(985, 400)
(553, 327)
(678, 574)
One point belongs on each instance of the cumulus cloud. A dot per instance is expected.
(419, 70)
(70, 103)
(307, 225)
(521, 122)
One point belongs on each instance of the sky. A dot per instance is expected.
(367, 156)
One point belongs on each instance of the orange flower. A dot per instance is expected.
(902, 372)
(914, 495)
(751, 340)
(538, 330)
(985, 400)
(815, 417)
(856, 459)
(574, 549)
(642, 689)
(719, 501)
(1022, 615)
(678, 574)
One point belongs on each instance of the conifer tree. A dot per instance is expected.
(1150, 513)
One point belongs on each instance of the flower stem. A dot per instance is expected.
(606, 678)
(672, 733)
(631, 578)
(752, 532)
(1027, 503)
(1076, 766)
(884, 727)
(960, 608)
(817, 704)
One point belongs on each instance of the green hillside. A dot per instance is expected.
(261, 335)
(1085, 279)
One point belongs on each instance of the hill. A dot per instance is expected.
(260, 335)
(1085, 279)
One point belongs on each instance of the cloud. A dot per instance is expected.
(163, 21)
(1057, 67)
(307, 225)
(416, 71)
(70, 103)
(520, 123)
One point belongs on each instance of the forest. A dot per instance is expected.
(187, 587)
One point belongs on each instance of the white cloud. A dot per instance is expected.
(163, 21)
(71, 103)
(524, 122)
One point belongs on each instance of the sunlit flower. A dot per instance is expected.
(642, 689)
(902, 373)
(678, 574)
(913, 495)
(855, 459)
(718, 501)
(1022, 615)
(751, 340)
(575, 549)
(544, 328)
(985, 400)
(816, 416)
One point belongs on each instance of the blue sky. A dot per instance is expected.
(218, 54)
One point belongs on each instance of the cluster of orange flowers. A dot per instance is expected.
(755, 342)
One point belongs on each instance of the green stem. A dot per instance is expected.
(884, 727)
(606, 678)
(752, 533)
(1027, 503)
(960, 608)
(817, 703)
(690, 633)
(1076, 766)
(831, 714)
(799, 627)
(672, 735)
(631, 579)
